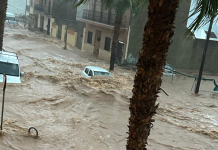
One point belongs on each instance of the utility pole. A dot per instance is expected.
(25, 15)
(65, 39)
(204, 56)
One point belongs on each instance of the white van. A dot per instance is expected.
(10, 16)
(9, 65)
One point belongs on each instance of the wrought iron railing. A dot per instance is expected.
(101, 17)
(39, 7)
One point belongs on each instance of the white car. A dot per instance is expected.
(91, 71)
(9, 65)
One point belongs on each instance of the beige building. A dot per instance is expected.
(98, 33)
(40, 14)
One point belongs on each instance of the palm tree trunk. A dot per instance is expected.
(158, 32)
(118, 23)
(3, 9)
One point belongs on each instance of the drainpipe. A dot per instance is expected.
(127, 44)
(65, 39)
(129, 31)
(25, 16)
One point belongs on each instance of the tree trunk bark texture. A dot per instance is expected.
(3, 9)
(158, 32)
(117, 26)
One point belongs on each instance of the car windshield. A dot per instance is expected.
(9, 69)
(97, 73)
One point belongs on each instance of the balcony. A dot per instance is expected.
(100, 17)
(47, 10)
(28, 8)
(39, 8)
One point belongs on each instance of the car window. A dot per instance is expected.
(87, 71)
(9, 69)
(90, 73)
(97, 73)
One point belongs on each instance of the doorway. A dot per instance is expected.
(97, 43)
(48, 27)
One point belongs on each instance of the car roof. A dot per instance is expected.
(10, 14)
(8, 53)
(8, 57)
(94, 68)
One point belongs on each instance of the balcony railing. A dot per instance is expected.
(105, 18)
(28, 8)
(39, 7)
(47, 10)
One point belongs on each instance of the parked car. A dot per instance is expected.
(169, 70)
(91, 71)
(9, 65)
(13, 22)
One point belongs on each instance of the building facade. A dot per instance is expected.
(98, 33)
(65, 16)
(40, 14)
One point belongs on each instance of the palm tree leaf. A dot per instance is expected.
(80, 2)
(205, 10)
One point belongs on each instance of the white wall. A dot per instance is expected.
(38, 21)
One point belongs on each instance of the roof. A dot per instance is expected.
(8, 57)
(10, 14)
(94, 68)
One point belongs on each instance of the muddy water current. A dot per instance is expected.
(71, 112)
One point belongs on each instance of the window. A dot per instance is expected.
(90, 73)
(45, 2)
(107, 43)
(89, 40)
(98, 73)
(87, 71)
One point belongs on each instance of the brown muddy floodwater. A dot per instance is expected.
(71, 112)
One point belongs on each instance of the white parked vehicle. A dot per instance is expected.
(91, 71)
(10, 16)
(9, 65)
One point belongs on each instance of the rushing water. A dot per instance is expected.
(71, 112)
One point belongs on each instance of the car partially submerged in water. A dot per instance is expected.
(92, 71)
(9, 65)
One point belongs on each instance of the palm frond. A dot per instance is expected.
(205, 11)
(80, 2)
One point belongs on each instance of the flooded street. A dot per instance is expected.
(71, 112)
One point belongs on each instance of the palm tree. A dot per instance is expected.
(158, 32)
(3, 9)
(120, 8)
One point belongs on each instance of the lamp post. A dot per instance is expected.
(204, 56)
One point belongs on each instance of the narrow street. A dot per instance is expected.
(71, 112)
